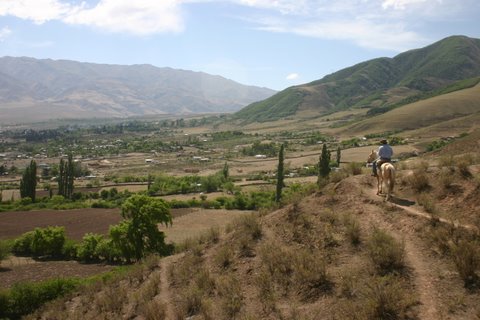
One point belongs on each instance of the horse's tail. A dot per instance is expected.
(392, 178)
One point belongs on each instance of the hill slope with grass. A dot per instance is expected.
(443, 115)
(379, 84)
(339, 251)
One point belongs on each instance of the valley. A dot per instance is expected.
(184, 216)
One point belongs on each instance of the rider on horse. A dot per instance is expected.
(385, 153)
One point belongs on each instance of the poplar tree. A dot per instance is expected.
(28, 183)
(324, 163)
(339, 155)
(225, 172)
(66, 174)
(280, 173)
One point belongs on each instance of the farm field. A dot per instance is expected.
(194, 222)
(77, 222)
(24, 269)
(187, 223)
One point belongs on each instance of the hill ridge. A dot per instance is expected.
(72, 89)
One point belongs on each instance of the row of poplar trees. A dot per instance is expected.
(66, 174)
(323, 168)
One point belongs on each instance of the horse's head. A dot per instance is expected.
(373, 155)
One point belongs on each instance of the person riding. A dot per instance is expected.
(385, 153)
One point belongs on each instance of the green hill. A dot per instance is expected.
(444, 114)
(380, 84)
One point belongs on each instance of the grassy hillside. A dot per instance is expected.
(380, 84)
(279, 106)
(435, 115)
(340, 252)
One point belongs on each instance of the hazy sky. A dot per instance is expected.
(271, 43)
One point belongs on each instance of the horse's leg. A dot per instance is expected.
(387, 182)
(379, 184)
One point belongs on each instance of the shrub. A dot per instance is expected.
(385, 298)
(224, 257)
(26, 201)
(230, 291)
(352, 229)
(57, 199)
(278, 263)
(310, 274)
(354, 168)
(154, 310)
(338, 176)
(446, 179)
(463, 168)
(466, 256)
(69, 250)
(48, 241)
(190, 303)
(386, 253)
(266, 290)
(24, 298)
(23, 244)
(250, 225)
(446, 161)
(418, 181)
(427, 202)
(87, 249)
(205, 282)
(5, 249)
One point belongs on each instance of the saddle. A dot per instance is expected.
(382, 161)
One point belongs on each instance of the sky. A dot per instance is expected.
(267, 43)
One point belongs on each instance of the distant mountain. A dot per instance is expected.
(61, 88)
(378, 84)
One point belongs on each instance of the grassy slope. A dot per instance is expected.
(422, 114)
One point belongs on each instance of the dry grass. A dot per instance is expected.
(418, 181)
(466, 255)
(352, 229)
(230, 293)
(386, 253)
(153, 310)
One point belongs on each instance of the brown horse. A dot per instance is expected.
(385, 175)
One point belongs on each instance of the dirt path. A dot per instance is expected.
(164, 295)
(415, 257)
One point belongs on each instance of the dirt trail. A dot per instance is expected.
(164, 295)
(415, 257)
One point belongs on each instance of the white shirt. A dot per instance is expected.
(385, 151)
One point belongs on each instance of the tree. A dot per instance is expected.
(28, 184)
(339, 155)
(138, 234)
(324, 163)
(280, 174)
(66, 173)
(225, 172)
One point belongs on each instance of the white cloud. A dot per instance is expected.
(379, 24)
(140, 17)
(400, 4)
(292, 76)
(38, 11)
(4, 33)
(385, 36)
(391, 25)
(283, 6)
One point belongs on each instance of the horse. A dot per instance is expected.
(385, 175)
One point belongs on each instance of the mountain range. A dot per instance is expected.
(44, 89)
(378, 85)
